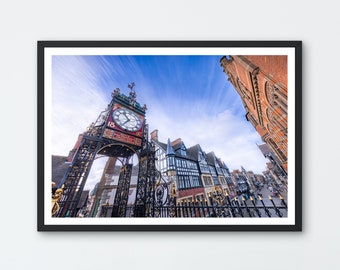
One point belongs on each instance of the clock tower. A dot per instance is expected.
(120, 131)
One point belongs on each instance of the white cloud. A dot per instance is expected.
(76, 102)
(229, 137)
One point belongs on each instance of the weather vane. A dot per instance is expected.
(131, 86)
(132, 94)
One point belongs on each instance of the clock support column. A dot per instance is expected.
(144, 203)
(76, 178)
(122, 193)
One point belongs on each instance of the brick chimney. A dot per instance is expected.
(177, 141)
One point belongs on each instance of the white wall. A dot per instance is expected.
(22, 23)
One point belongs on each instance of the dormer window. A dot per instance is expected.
(183, 151)
(201, 158)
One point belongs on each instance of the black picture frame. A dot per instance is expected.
(45, 52)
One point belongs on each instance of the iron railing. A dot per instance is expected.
(201, 209)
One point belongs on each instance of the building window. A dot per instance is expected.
(191, 165)
(196, 181)
(212, 170)
(216, 180)
(222, 180)
(276, 97)
(187, 181)
(207, 180)
(184, 182)
(181, 184)
(199, 197)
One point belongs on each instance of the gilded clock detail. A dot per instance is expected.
(127, 119)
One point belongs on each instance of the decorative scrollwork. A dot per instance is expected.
(55, 199)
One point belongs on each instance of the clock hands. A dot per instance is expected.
(128, 117)
(128, 120)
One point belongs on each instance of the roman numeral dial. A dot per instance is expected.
(127, 119)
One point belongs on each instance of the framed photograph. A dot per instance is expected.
(169, 136)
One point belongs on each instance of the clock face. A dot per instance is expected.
(127, 119)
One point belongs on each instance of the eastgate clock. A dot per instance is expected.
(126, 119)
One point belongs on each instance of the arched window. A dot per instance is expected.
(276, 97)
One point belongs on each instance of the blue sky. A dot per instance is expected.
(188, 97)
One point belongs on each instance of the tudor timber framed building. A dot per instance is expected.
(196, 174)
(261, 82)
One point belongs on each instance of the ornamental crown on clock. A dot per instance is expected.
(127, 119)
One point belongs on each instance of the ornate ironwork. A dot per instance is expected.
(201, 209)
(153, 191)
(122, 192)
(144, 203)
(56, 196)
(77, 175)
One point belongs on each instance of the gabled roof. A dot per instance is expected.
(161, 145)
(176, 144)
(192, 152)
(211, 158)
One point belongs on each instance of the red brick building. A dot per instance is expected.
(261, 82)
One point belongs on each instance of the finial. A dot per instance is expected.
(116, 92)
